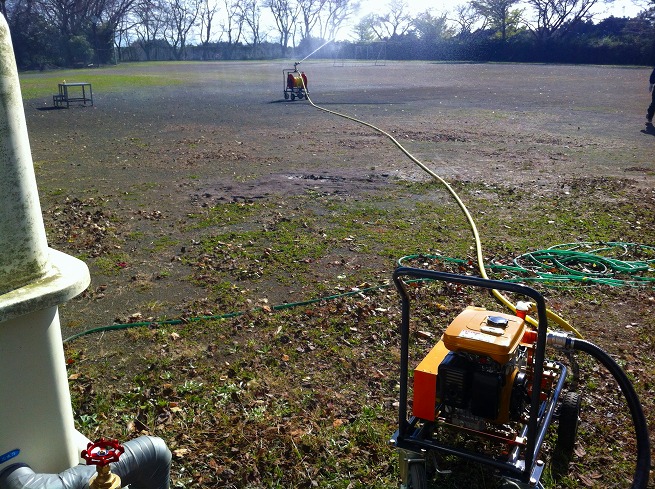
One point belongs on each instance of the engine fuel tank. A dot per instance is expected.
(485, 333)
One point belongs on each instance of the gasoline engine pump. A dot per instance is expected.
(480, 373)
(488, 384)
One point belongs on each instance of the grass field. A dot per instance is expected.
(212, 212)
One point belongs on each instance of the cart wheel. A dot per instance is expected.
(567, 432)
(293, 96)
(417, 477)
(286, 96)
(300, 96)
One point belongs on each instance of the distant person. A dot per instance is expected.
(651, 108)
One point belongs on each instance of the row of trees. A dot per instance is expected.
(82, 32)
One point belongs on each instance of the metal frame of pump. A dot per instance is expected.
(415, 437)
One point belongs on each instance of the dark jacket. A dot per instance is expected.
(652, 77)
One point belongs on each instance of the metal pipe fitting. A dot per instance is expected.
(561, 341)
(145, 464)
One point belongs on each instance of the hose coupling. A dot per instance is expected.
(559, 340)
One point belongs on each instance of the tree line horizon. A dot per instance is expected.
(49, 34)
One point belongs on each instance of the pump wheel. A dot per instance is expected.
(568, 423)
(417, 477)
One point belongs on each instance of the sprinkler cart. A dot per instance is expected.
(487, 393)
(295, 83)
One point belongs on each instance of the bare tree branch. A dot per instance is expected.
(182, 17)
(285, 13)
(557, 17)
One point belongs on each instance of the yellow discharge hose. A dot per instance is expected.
(478, 243)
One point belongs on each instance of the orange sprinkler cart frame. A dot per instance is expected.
(295, 83)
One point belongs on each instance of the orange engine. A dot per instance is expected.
(477, 373)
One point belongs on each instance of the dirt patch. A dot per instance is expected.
(276, 184)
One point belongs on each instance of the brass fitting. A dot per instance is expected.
(104, 479)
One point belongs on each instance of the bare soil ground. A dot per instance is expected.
(126, 184)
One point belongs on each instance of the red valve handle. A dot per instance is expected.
(103, 452)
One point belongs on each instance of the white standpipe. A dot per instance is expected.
(39, 446)
(36, 417)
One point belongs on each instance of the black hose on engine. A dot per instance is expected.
(642, 471)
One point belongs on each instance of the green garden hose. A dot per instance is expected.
(566, 263)
(623, 273)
